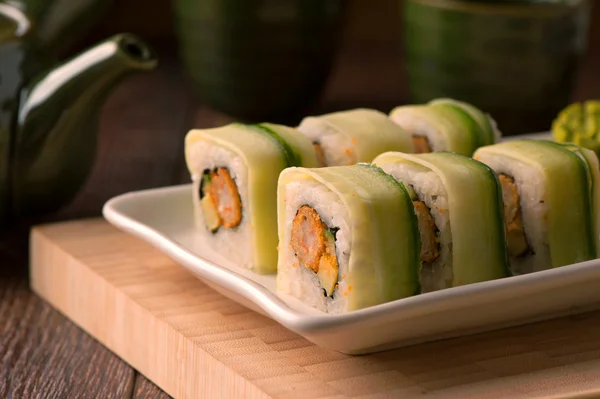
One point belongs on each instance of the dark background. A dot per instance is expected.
(144, 121)
(372, 31)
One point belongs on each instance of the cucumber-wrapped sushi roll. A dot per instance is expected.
(357, 135)
(458, 203)
(348, 238)
(234, 170)
(550, 194)
(446, 125)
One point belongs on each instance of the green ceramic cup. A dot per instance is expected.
(519, 62)
(258, 59)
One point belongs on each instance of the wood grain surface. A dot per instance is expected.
(44, 355)
(139, 146)
(51, 356)
(144, 388)
(193, 342)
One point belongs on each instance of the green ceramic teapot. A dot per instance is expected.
(59, 24)
(48, 112)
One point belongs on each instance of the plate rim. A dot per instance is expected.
(277, 309)
(309, 325)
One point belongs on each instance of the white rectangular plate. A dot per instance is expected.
(164, 218)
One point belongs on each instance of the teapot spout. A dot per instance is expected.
(54, 140)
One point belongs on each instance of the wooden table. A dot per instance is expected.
(42, 354)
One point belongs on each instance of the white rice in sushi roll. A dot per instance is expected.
(237, 242)
(352, 136)
(348, 238)
(530, 181)
(301, 282)
(336, 146)
(234, 169)
(429, 188)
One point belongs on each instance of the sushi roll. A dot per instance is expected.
(348, 238)
(458, 204)
(446, 125)
(590, 158)
(489, 132)
(234, 169)
(357, 135)
(550, 194)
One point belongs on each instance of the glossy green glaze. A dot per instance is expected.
(59, 23)
(518, 62)
(258, 59)
(48, 116)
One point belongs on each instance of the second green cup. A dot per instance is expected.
(518, 62)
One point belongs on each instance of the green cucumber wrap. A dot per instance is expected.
(367, 132)
(488, 127)
(570, 219)
(446, 126)
(475, 212)
(384, 254)
(592, 164)
(265, 152)
(297, 149)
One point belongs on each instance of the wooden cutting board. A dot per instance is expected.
(194, 343)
